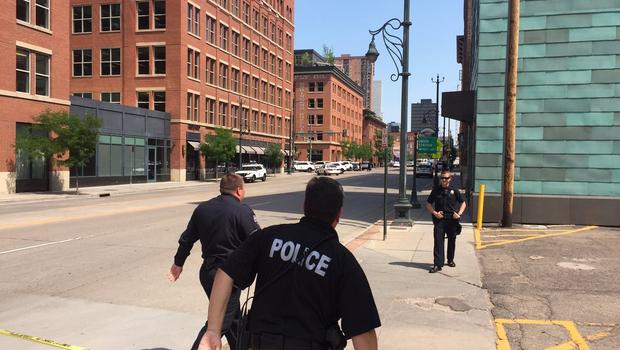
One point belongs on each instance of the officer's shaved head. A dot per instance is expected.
(324, 197)
(230, 183)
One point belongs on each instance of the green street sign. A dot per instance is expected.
(427, 144)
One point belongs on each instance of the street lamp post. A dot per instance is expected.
(242, 129)
(399, 51)
(443, 145)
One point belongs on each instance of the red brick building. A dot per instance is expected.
(371, 126)
(34, 77)
(362, 71)
(225, 63)
(328, 109)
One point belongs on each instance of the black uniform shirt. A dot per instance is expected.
(447, 199)
(221, 224)
(329, 284)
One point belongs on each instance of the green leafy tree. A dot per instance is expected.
(273, 152)
(220, 147)
(349, 149)
(379, 149)
(328, 54)
(364, 152)
(66, 139)
(306, 59)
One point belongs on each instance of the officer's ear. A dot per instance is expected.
(337, 219)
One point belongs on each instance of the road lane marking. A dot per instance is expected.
(39, 245)
(41, 340)
(569, 326)
(485, 244)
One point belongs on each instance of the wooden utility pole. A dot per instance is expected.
(510, 111)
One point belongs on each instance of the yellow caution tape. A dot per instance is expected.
(41, 340)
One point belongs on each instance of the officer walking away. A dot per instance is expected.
(446, 205)
(221, 224)
(306, 282)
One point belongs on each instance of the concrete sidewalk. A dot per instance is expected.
(420, 310)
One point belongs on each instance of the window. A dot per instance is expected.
(209, 110)
(319, 119)
(23, 10)
(319, 103)
(234, 80)
(193, 64)
(311, 103)
(319, 86)
(263, 87)
(280, 67)
(272, 67)
(273, 32)
(193, 106)
(280, 34)
(310, 119)
(42, 13)
(223, 113)
(112, 97)
(246, 12)
(272, 124)
(246, 49)
(235, 43)
(110, 17)
(256, 19)
(256, 50)
(279, 126)
(255, 120)
(289, 42)
(143, 99)
(144, 18)
(144, 61)
(235, 7)
(265, 26)
(159, 59)
(110, 62)
(193, 19)
(272, 94)
(159, 101)
(288, 72)
(223, 76)
(265, 59)
(263, 122)
(83, 94)
(224, 4)
(223, 37)
(210, 70)
(159, 14)
(279, 96)
(23, 71)
(210, 33)
(234, 111)
(82, 19)
(287, 99)
(82, 63)
(311, 86)
(42, 76)
(246, 84)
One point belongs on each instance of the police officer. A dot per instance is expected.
(306, 282)
(446, 205)
(221, 224)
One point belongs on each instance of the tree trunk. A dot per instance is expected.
(77, 181)
(216, 169)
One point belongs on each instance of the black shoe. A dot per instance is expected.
(451, 264)
(434, 269)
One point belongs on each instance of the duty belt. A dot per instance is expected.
(267, 341)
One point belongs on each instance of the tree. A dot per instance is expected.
(273, 152)
(306, 59)
(66, 139)
(328, 54)
(379, 149)
(220, 147)
(349, 149)
(364, 152)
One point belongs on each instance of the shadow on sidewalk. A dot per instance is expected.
(416, 265)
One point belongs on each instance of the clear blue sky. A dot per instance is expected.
(343, 25)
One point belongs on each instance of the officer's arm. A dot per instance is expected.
(365, 341)
(462, 208)
(222, 287)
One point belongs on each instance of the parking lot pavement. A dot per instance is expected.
(553, 287)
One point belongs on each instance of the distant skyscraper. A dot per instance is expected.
(424, 115)
(393, 127)
(376, 98)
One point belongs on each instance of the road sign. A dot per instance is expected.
(427, 144)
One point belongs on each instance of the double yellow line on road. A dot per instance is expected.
(48, 342)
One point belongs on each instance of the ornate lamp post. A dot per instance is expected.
(399, 51)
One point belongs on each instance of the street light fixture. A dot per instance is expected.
(399, 51)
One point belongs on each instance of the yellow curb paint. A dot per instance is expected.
(575, 337)
(571, 345)
(477, 238)
(598, 336)
(514, 235)
(540, 236)
(502, 337)
(41, 340)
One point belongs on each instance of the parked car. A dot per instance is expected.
(347, 165)
(331, 169)
(303, 165)
(395, 164)
(409, 164)
(320, 165)
(366, 166)
(251, 172)
(424, 170)
(356, 166)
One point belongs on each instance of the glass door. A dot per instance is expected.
(152, 162)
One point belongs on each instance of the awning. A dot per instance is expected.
(248, 150)
(258, 150)
(458, 105)
(195, 145)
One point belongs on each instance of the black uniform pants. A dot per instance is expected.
(441, 228)
(279, 342)
(230, 326)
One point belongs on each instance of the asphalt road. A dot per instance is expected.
(561, 284)
(92, 271)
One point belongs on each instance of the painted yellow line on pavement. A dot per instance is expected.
(115, 211)
(538, 237)
(575, 337)
(514, 235)
(41, 340)
(477, 238)
(571, 345)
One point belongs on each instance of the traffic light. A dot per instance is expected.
(460, 49)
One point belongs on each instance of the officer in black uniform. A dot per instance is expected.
(306, 282)
(221, 224)
(446, 205)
